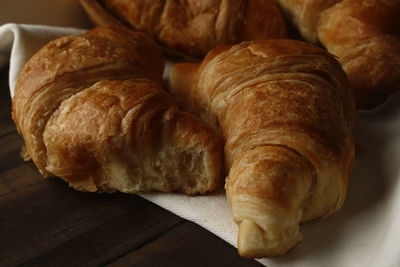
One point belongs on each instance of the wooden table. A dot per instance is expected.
(44, 222)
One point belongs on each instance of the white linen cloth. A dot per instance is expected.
(366, 232)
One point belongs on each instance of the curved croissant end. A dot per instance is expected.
(286, 115)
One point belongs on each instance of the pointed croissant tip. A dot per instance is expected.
(250, 240)
(253, 242)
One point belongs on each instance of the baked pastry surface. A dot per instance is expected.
(195, 27)
(364, 35)
(286, 115)
(92, 111)
(305, 14)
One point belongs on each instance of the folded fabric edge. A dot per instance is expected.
(19, 42)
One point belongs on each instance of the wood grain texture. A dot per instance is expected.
(43, 222)
(6, 124)
(159, 253)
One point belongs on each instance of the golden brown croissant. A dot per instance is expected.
(195, 27)
(286, 115)
(363, 34)
(305, 14)
(92, 111)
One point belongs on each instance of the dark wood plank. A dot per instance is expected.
(19, 178)
(48, 214)
(110, 239)
(6, 123)
(10, 152)
(187, 244)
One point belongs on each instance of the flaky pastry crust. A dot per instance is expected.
(92, 111)
(195, 27)
(364, 35)
(286, 115)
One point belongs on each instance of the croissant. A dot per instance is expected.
(195, 27)
(92, 111)
(286, 116)
(363, 34)
(305, 15)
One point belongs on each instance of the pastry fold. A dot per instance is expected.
(195, 27)
(364, 35)
(286, 116)
(92, 111)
